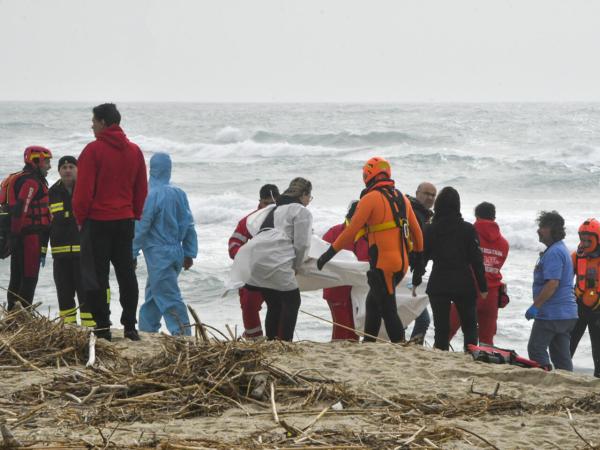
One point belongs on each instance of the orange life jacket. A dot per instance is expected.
(587, 271)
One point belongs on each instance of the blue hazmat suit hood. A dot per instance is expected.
(160, 169)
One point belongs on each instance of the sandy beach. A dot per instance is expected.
(327, 395)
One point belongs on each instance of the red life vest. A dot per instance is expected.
(587, 283)
(33, 216)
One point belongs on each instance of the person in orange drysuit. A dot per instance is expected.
(386, 216)
(339, 298)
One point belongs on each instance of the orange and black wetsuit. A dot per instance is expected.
(388, 252)
(587, 281)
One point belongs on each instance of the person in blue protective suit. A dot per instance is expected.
(167, 236)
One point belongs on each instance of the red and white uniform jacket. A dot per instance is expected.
(494, 249)
(360, 249)
(240, 236)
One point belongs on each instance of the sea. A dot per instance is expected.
(523, 157)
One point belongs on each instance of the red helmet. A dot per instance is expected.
(34, 154)
(374, 167)
(589, 231)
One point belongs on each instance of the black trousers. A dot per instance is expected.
(103, 243)
(466, 305)
(591, 320)
(24, 269)
(380, 305)
(282, 313)
(67, 278)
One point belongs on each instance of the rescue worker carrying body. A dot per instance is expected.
(251, 301)
(26, 194)
(386, 216)
(64, 244)
(167, 236)
(339, 298)
(586, 263)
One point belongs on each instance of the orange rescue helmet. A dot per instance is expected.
(589, 230)
(34, 154)
(374, 167)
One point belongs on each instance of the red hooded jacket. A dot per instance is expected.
(360, 249)
(111, 179)
(494, 249)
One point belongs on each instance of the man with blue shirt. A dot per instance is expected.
(167, 236)
(554, 308)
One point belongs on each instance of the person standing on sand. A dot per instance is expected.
(422, 203)
(167, 236)
(251, 301)
(554, 309)
(109, 196)
(65, 246)
(339, 298)
(276, 253)
(453, 246)
(26, 194)
(586, 263)
(495, 250)
(385, 215)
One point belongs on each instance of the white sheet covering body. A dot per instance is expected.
(343, 270)
(272, 257)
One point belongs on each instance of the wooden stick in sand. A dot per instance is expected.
(92, 345)
(199, 325)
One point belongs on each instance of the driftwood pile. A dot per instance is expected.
(204, 377)
(31, 340)
(186, 380)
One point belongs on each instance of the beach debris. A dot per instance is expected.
(33, 341)
(92, 351)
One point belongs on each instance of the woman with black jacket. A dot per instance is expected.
(453, 246)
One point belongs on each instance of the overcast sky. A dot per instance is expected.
(303, 50)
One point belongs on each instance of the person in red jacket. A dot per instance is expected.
(251, 301)
(109, 195)
(495, 250)
(27, 193)
(339, 298)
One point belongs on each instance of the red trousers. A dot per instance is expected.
(341, 312)
(487, 316)
(251, 303)
(24, 269)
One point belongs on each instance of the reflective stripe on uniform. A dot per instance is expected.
(382, 227)
(44, 250)
(108, 296)
(252, 331)
(65, 249)
(239, 237)
(87, 320)
(375, 228)
(68, 315)
(57, 207)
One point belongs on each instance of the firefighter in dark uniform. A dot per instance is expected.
(27, 198)
(64, 243)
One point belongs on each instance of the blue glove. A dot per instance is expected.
(43, 260)
(532, 312)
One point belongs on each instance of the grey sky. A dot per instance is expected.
(278, 50)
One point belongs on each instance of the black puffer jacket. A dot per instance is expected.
(453, 246)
